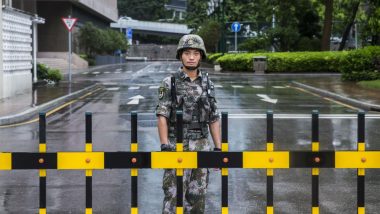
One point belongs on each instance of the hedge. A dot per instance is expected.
(362, 64)
(285, 61)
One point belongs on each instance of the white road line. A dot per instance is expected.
(162, 71)
(85, 72)
(154, 87)
(257, 86)
(150, 71)
(133, 87)
(278, 87)
(237, 86)
(109, 83)
(96, 72)
(117, 72)
(301, 116)
(218, 86)
(113, 89)
(107, 72)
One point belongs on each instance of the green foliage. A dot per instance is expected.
(285, 61)
(256, 44)
(213, 57)
(98, 41)
(54, 75)
(148, 10)
(363, 64)
(308, 44)
(210, 33)
(44, 72)
(372, 84)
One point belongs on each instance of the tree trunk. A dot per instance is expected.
(349, 25)
(325, 45)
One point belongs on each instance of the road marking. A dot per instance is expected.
(107, 72)
(96, 72)
(113, 89)
(135, 100)
(52, 111)
(150, 71)
(329, 99)
(154, 87)
(278, 87)
(218, 86)
(302, 116)
(162, 71)
(85, 72)
(109, 83)
(129, 72)
(119, 69)
(257, 86)
(237, 86)
(267, 99)
(117, 72)
(133, 87)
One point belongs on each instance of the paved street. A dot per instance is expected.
(246, 97)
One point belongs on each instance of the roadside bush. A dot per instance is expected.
(213, 57)
(44, 72)
(362, 64)
(54, 75)
(257, 44)
(285, 61)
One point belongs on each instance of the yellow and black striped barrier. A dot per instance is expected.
(180, 160)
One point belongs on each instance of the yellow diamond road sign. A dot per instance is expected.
(69, 22)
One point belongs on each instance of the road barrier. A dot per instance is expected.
(180, 160)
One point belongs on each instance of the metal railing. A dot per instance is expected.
(180, 160)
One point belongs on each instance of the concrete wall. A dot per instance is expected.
(107, 8)
(1, 58)
(53, 35)
(16, 53)
(153, 52)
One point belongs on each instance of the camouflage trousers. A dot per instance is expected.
(195, 183)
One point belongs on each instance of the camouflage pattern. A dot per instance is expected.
(199, 109)
(195, 182)
(191, 41)
(197, 105)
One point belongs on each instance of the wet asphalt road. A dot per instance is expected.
(242, 95)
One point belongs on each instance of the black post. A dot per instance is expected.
(88, 133)
(270, 172)
(134, 171)
(225, 170)
(42, 149)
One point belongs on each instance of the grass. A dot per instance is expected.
(372, 84)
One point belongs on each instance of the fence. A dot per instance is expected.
(180, 160)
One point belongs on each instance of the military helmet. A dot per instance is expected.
(191, 41)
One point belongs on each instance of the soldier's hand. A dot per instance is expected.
(166, 147)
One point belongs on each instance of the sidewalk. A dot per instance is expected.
(347, 92)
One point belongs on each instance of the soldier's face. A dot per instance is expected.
(191, 58)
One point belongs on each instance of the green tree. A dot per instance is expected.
(148, 10)
(210, 32)
(327, 25)
(98, 41)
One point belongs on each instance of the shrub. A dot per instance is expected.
(285, 61)
(257, 44)
(361, 64)
(44, 72)
(213, 57)
(54, 75)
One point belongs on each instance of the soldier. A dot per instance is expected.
(193, 93)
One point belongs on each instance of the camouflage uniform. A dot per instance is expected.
(199, 109)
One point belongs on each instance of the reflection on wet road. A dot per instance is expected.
(133, 87)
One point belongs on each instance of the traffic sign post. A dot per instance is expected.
(235, 27)
(69, 24)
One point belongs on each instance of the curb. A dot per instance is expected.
(361, 104)
(33, 111)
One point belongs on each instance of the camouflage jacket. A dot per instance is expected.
(195, 98)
